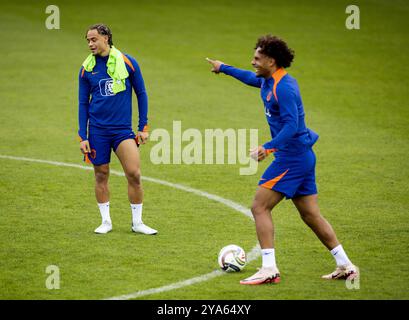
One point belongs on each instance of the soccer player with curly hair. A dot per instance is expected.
(292, 173)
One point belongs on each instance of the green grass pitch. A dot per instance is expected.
(354, 85)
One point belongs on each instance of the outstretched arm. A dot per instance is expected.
(244, 76)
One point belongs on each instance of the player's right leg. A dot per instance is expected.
(280, 179)
(101, 173)
(100, 158)
(264, 201)
(102, 196)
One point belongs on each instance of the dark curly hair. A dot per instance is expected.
(103, 30)
(276, 48)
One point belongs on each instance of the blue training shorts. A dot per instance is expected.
(291, 175)
(102, 144)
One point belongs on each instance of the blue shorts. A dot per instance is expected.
(291, 175)
(102, 144)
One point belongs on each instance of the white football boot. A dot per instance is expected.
(264, 275)
(143, 228)
(347, 272)
(105, 227)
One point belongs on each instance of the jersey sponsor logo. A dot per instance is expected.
(105, 87)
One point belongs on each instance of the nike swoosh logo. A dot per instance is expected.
(95, 72)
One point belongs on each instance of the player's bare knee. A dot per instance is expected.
(309, 216)
(134, 177)
(257, 208)
(101, 177)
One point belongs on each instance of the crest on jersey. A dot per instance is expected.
(105, 87)
(269, 96)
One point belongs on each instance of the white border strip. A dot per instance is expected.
(254, 253)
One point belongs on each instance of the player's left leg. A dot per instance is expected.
(309, 211)
(128, 154)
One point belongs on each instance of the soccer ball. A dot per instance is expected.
(232, 258)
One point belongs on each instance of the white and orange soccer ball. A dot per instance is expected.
(232, 258)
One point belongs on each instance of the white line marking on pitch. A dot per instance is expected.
(253, 254)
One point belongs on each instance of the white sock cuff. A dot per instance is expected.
(336, 249)
(267, 251)
(268, 258)
(340, 256)
(104, 210)
(136, 213)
